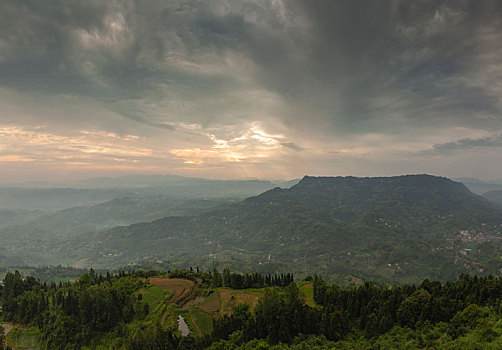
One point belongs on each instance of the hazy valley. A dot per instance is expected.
(396, 229)
(250, 175)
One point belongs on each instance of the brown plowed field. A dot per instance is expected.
(181, 288)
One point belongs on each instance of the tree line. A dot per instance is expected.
(361, 316)
(72, 314)
(376, 309)
(249, 280)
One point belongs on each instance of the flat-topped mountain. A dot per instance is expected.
(392, 228)
(423, 195)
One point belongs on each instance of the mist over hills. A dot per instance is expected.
(402, 228)
(51, 196)
(77, 207)
(397, 228)
(478, 186)
(52, 199)
(140, 181)
(75, 221)
(37, 218)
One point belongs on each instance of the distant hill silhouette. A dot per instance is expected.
(391, 228)
(494, 196)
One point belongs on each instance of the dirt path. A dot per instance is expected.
(7, 327)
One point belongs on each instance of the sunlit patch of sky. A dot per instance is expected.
(233, 89)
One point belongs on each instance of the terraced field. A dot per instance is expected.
(168, 300)
(229, 297)
(182, 288)
(170, 297)
(211, 304)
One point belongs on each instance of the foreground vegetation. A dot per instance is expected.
(140, 310)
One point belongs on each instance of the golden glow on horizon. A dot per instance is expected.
(252, 144)
(19, 144)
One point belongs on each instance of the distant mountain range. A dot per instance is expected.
(52, 196)
(132, 182)
(478, 186)
(37, 218)
(401, 228)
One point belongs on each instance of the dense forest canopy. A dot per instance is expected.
(113, 311)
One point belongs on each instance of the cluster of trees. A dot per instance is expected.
(249, 280)
(464, 313)
(376, 309)
(73, 313)
(280, 315)
(13, 290)
(432, 314)
(48, 273)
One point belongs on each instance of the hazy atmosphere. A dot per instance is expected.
(250, 174)
(247, 89)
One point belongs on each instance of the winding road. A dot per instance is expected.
(7, 327)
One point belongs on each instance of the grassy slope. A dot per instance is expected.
(307, 288)
(24, 338)
(202, 321)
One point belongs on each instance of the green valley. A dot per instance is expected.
(391, 229)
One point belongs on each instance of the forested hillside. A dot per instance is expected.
(226, 310)
(494, 196)
(403, 228)
(43, 223)
(400, 228)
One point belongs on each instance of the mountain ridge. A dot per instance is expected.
(337, 224)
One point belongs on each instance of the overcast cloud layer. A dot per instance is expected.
(232, 89)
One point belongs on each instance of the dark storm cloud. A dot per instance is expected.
(113, 51)
(341, 55)
(425, 55)
(338, 77)
(467, 144)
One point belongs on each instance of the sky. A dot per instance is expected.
(250, 89)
